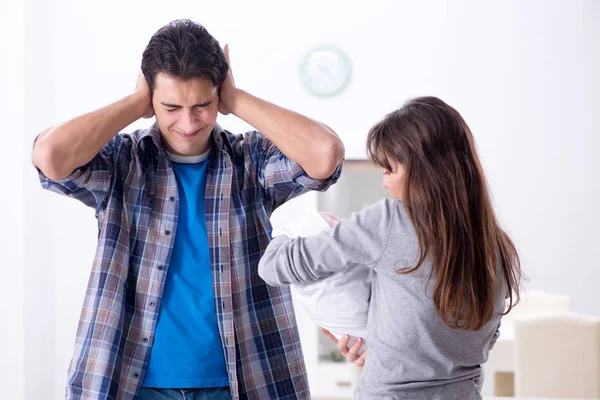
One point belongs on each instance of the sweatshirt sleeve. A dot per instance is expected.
(359, 240)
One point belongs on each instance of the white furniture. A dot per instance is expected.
(557, 356)
(536, 302)
(499, 369)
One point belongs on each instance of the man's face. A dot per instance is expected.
(186, 113)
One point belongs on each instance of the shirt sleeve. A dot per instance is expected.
(89, 183)
(359, 240)
(280, 178)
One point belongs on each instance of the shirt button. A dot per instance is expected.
(145, 340)
(172, 198)
(167, 232)
(161, 267)
(136, 375)
(152, 304)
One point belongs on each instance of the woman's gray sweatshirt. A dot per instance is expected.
(412, 353)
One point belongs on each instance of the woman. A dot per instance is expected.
(442, 266)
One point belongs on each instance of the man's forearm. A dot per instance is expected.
(311, 144)
(61, 149)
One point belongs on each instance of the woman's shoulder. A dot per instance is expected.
(379, 216)
(387, 208)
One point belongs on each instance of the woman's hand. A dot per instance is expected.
(350, 354)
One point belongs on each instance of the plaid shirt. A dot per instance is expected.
(132, 187)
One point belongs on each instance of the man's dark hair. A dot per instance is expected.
(184, 49)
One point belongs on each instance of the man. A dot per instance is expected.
(175, 307)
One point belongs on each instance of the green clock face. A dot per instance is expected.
(325, 71)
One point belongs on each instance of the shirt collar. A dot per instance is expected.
(188, 159)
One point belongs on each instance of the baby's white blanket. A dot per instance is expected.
(340, 302)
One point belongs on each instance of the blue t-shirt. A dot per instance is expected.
(187, 351)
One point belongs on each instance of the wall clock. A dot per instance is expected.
(325, 71)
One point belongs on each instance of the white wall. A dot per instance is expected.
(12, 342)
(38, 235)
(523, 74)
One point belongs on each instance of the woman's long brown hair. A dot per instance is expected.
(448, 201)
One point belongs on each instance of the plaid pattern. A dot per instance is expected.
(132, 187)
